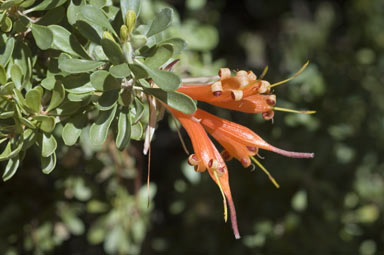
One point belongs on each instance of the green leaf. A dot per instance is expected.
(73, 65)
(165, 80)
(139, 110)
(6, 51)
(65, 41)
(7, 88)
(67, 108)
(73, 128)
(88, 31)
(78, 83)
(46, 123)
(6, 115)
(99, 130)
(29, 137)
(27, 3)
(162, 21)
(43, 36)
(159, 56)
(11, 168)
(49, 82)
(174, 99)
(53, 16)
(95, 16)
(6, 25)
(102, 80)
(48, 163)
(138, 71)
(17, 75)
(125, 97)
(137, 131)
(123, 129)
(12, 149)
(120, 71)
(33, 99)
(48, 145)
(58, 95)
(3, 75)
(108, 99)
(177, 44)
(113, 51)
(46, 5)
(127, 5)
(79, 97)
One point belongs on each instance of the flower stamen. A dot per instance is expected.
(265, 171)
(292, 77)
(291, 110)
(223, 195)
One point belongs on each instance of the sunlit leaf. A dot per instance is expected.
(48, 163)
(11, 168)
(99, 130)
(48, 145)
(102, 80)
(123, 129)
(43, 36)
(162, 21)
(174, 99)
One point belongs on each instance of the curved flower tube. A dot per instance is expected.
(207, 157)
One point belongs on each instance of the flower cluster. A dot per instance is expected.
(241, 92)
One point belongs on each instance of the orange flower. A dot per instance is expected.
(207, 157)
(232, 132)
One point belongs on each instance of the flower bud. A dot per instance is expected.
(108, 36)
(124, 35)
(130, 20)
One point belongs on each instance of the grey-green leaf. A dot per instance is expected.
(113, 51)
(48, 163)
(17, 76)
(123, 129)
(46, 5)
(174, 99)
(178, 45)
(48, 145)
(6, 51)
(94, 15)
(99, 130)
(43, 36)
(167, 81)
(159, 56)
(137, 131)
(108, 99)
(58, 95)
(11, 168)
(103, 80)
(65, 41)
(78, 83)
(120, 71)
(73, 128)
(162, 21)
(46, 123)
(73, 65)
(33, 100)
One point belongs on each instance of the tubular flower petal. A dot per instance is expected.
(241, 134)
(228, 88)
(251, 104)
(207, 157)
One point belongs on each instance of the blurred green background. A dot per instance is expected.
(95, 202)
